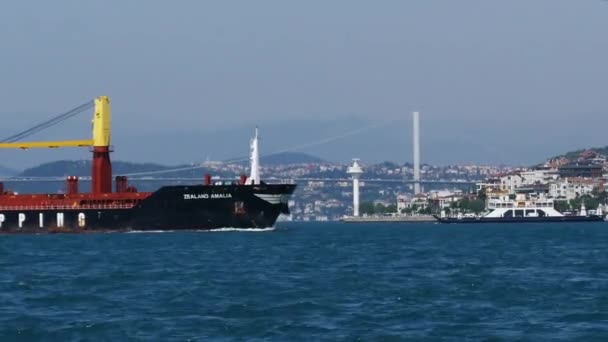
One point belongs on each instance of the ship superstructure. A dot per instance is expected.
(503, 206)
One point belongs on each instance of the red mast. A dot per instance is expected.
(101, 176)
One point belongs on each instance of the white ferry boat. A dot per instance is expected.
(501, 208)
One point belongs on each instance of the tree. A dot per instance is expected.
(367, 208)
(463, 204)
(477, 205)
(589, 201)
(561, 206)
(600, 194)
(425, 211)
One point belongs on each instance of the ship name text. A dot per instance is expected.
(206, 196)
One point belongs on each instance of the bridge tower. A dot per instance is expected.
(416, 144)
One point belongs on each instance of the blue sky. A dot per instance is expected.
(496, 81)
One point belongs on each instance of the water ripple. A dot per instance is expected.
(310, 282)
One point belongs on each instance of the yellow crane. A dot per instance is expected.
(101, 175)
(101, 131)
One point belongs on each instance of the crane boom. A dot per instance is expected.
(101, 131)
(48, 144)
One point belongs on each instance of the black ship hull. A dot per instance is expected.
(198, 207)
(593, 218)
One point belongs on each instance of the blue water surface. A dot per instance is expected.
(310, 281)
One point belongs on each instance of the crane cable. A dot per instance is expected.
(49, 123)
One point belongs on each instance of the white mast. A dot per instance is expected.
(254, 158)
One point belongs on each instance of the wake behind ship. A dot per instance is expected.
(246, 203)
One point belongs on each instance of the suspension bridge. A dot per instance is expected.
(15, 141)
(194, 180)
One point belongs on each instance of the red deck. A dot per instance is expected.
(123, 200)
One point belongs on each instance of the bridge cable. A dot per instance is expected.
(293, 148)
(49, 123)
(236, 160)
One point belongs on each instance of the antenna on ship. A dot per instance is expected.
(254, 178)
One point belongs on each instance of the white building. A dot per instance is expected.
(401, 203)
(420, 201)
(569, 189)
(443, 199)
(511, 182)
(543, 176)
(315, 184)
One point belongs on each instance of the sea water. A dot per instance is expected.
(310, 281)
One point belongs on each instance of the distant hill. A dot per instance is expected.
(584, 153)
(81, 168)
(286, 158)
(63, 168)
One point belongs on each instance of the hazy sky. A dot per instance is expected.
(497, 81)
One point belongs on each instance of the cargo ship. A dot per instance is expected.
(502, 209)
(245, 203)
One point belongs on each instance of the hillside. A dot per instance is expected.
(583, 154)
(81, 168)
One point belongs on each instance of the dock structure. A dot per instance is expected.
(390, 219)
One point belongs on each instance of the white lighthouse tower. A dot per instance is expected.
(355, 171)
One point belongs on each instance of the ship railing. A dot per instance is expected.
(66, 207)
(507, 205)
(279, 181)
